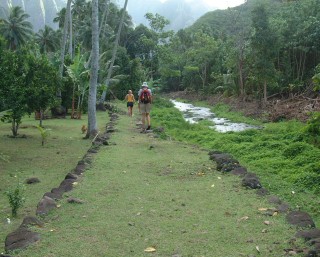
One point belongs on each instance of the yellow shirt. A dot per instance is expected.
(130, 98)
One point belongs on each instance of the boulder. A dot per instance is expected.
(31, 221)
(239, 171)
(45, 205)
(71, 176)
(67, 185)
(309, 234)
(56, 193)
(300, 219)
(79, 169)
(251, 180)
(20, 239)
(225, 162)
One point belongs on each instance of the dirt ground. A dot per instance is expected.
(296, 107)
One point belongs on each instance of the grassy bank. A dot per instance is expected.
(24, 157)
(279, 154)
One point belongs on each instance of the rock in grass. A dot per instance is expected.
(32, 180)
(300, 219)
(45, 205)
(74, 200)
(240, 171)
(31, 221)
(309, 234)
(250, 180)
(20, 239)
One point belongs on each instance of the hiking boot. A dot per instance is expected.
(148, 128)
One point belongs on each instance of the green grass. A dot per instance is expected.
(279, 154)
(26, 158)
(168, 196)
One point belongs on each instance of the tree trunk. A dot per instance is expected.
(64, 41)
(102, 24)
(92, 98)
(70, 35)
(41, 118)
(241, 80)
(14, 128)
(265, 93)
(114, 53)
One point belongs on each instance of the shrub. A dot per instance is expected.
(16, 199)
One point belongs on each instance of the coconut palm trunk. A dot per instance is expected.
(64, 42)
(114, 53)
(70, 35)
(92, 98)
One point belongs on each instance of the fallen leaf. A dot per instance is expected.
(75, 183)
(243, 218)
(263, 209)
(59, 205)
(266, 222)
(264, 231)
(219, 177)
(275, 213)
(150, 250)
(212, 185)
(257, 248)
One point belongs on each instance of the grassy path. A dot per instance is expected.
(146, 192)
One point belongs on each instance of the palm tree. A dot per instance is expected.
(60, 18)
(92, 119)
(15, 28)
(114, 52)
(47, 40)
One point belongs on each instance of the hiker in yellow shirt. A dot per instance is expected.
(130, 101)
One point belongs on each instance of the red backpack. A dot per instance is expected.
(145, 96)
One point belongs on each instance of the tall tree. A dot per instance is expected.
(262, 41)
(15, 28)
(47, 39)
(92, 120)
(114, 53)
(64, 42)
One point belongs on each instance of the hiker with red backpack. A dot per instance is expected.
(145, 100)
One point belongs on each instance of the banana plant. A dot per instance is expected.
(80, 77)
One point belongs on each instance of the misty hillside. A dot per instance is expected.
(42, 12)
(181, 13)
(232, 20)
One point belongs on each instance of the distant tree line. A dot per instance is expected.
(258, 49)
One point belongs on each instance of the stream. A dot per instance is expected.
(193, 115)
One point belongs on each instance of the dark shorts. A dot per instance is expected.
(129, 104)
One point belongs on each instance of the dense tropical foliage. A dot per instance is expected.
(257, 50)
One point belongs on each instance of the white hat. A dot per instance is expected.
(145, 84)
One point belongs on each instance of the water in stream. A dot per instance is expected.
(194, 114)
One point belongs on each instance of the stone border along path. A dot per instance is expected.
(23, 236)
(302, 220)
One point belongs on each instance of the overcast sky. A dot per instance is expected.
(218, 4)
